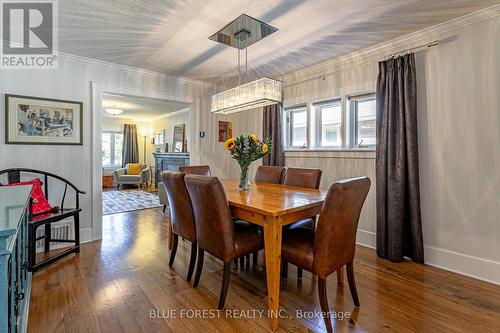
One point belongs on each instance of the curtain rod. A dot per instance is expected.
(428, 45)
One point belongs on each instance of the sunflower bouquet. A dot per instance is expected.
(245, 150)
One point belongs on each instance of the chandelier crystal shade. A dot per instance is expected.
(248, 96)
(241, 33)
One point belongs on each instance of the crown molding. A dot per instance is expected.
(396, 45)
(142, 71)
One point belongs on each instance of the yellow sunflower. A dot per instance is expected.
(229, 144)
(264, 148)
(254, 138)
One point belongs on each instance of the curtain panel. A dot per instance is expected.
(130, 152)
(272, 120)
(399, 226)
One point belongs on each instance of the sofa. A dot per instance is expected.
(121, 176)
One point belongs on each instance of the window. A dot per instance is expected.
(112, 146)
(297, 127)
(329, 120)
(363, 115)
(159, 138)
(342, 123)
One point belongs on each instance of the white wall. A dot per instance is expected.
(168, 123)
(72, 81)
(458, 84)
(212, 152)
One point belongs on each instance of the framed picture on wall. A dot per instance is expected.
(42, 121)
(225, 130)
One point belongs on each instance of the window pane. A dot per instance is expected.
(331, 121)
(299, 128)
(106, 149)
(118, 148)
(366, 122)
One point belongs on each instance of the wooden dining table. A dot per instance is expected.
(272, 206)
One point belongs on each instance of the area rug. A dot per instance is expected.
(128, 200)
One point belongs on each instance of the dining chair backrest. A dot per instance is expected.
(269, 174)
(335, 240)
(302, 177)
(181, 210)
(202, 170)
(214, 223)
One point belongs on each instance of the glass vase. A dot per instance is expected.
(244, 182)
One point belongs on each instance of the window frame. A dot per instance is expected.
(112, 149)
(319, 123)
(353, 101)
(289, 125)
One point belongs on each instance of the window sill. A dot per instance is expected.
(353, 153)
(330, 150)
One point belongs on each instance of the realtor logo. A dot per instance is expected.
(29, 34)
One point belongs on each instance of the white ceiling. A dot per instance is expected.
(140, 108)
(172, 36)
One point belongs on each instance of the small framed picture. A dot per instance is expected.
(42, 121)
(225, 130)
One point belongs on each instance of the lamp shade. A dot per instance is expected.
(248, 96)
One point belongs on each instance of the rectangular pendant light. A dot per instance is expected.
(248, 96)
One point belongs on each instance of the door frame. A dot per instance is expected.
(98, 90)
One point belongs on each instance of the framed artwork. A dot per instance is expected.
(179, 137)
(42, 121)
(225, 130)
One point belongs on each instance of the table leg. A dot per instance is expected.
(340, 275)
(272, 245)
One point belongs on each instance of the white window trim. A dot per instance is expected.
(353, 120)
(319, 124)
(288, 126)
(112, 148)
(313, 139)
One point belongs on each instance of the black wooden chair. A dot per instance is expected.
(46, 219)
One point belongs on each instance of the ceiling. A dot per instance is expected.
(140, 108)
(172, 36)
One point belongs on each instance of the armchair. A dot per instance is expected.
(120, 176)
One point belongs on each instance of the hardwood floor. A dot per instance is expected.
(117, 284)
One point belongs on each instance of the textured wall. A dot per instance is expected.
(459, 143)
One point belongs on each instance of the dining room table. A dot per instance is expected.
(272, 206)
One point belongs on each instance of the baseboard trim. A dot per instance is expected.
(478, 268)
(366, 238)
(86, 235)
(474, 267)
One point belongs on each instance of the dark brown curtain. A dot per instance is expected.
(399, 226)
(272, 129)
(130, 152)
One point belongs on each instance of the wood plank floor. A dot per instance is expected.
(115, 284)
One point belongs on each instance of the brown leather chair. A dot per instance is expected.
(302, 177)
(216, 232)
(181, 215)
(202, 170)
(269, 174)
(333, 243)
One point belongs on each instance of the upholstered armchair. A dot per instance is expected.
(121, 176)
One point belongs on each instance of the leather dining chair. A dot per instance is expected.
(181, 215)
(332, 245)
(269, 174)
(302, 177)
(202, 170)
(216, 232)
